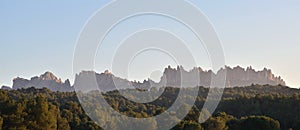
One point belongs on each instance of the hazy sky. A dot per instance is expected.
(39, 36)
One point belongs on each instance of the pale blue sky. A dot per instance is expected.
(39, 36)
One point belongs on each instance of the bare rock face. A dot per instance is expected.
(49, 76)
(173, 77)
(46, 80)
(236, 76)
(90, 80)
(6, 88)
(177, 77)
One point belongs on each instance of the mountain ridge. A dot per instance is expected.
(47, 80)
(106, 81)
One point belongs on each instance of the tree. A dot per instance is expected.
(219, 122)
(42, 109)
(188, 125)
(16, 117)
(192, 126)
(1, 122)
(259, 123)
(136, 124)
(215, 124)
(44, 115)
(62, 123)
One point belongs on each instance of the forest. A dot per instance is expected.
(255, 107)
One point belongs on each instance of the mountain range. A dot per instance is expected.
(47, 80)
(175, 77)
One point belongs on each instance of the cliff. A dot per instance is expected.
(175, 77)
(178, 77)
(236, 76)
(47, 80)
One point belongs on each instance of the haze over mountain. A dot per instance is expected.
(174, 77)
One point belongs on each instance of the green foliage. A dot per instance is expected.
(1, 122)
(188, 125)
(259, 123)
(44, 115)
(218, 122)
(42, 109)
(62, 123)
(222, 121)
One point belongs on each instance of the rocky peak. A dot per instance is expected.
(47, 80)
(106, 72)
(49, 76)
(6, 88)
(236, 76)
(175, 77)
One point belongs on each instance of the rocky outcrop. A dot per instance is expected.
(46, 80)
(236, 76)
(6, 88)
(89, 80)
(178, 77)
(175, 77)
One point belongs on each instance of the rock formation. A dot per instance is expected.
(6, 88)
(236, 76)
(175, 77)
(90, 80)
(47, 80)
(178, 77)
